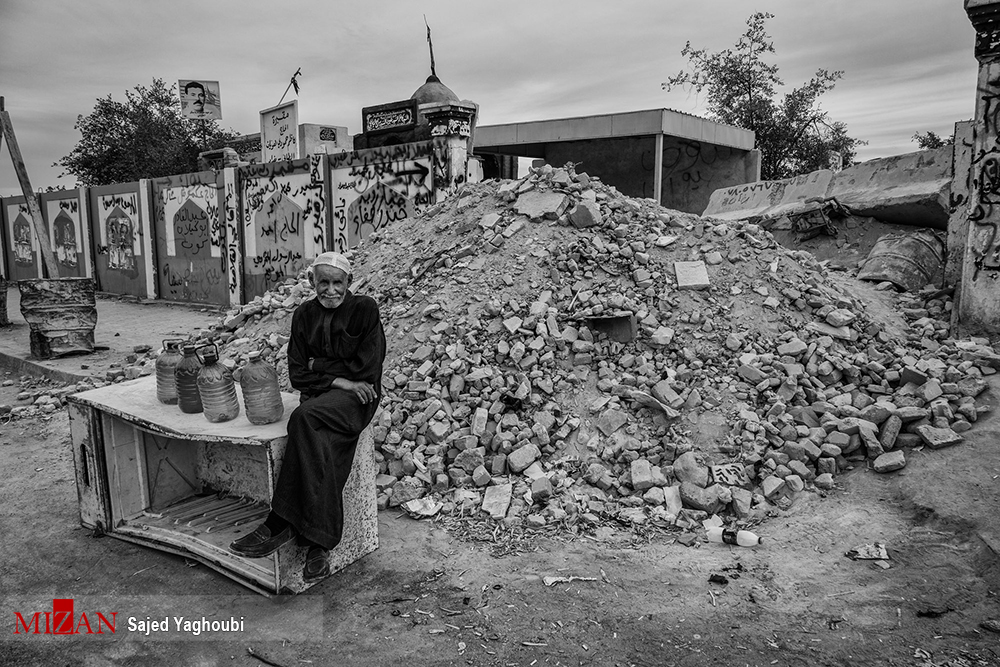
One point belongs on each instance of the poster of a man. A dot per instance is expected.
(200, 99)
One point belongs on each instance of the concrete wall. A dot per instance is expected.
(911, 189)
(227, 237)
(190, 234)
(958, 219)
(626, 162)
(122, 239)
(979, 302)
(693, 170)
(375, 187)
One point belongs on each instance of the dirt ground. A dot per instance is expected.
(430, 596)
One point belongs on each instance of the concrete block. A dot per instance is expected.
(691, 275)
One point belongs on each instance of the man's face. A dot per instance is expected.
(331, 285)
(197, 96)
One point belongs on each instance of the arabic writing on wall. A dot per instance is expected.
(284, 214)
(378, 186)
(984, 243)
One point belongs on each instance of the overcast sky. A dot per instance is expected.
(908, 64)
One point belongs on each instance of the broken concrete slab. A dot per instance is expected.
(541, 204)
(691, 275)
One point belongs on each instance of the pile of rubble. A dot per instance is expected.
(39, 396)
(560, 353)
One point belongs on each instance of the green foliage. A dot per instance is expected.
(143, 137)
(932, 140)
(793, 134)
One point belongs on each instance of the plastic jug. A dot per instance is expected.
(186, 379)
(166, 364)
(261, 396)
(217, 389)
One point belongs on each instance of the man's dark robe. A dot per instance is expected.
(345, 342)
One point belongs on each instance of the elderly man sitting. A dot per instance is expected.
(335, 357)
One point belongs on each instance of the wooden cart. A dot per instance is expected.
(150, 474)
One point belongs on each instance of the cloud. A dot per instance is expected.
(908, 63)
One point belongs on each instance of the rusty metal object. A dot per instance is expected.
(908, 261)
(61, 314)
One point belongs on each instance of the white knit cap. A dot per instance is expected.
(334, 259)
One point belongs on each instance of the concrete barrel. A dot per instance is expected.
(61, 314)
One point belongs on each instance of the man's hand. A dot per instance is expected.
(363, 390)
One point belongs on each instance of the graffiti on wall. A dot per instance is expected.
(118, 216)
(378, 186)
(189, 235)
(66, 231)
(235, 255)
(985, 212)
(22, 238)
(284, 219)
(690, 170)
(195, 225)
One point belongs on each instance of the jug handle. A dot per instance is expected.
(176, 341)
(202, 347)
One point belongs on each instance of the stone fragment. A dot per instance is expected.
(742, 502)
(824, 481)
(541, 204)
(654, 496)
(481, 476)
(773, 488)
(936, 438)
(688, 469)
(522, 457)
(585, 214)
(662, 336)
(890, 461)
(642, 474)
(489, 220)
(470, 459)
(672, 500)
(541, 489)
(406, 490)
(696, 497)
(691, 275)
(751, 374)
(889, 432)
(792, 348)
(840, 317)
(496, 500)
(665, 394)
(611, 420)
(479, 420)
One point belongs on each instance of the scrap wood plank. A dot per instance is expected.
(44, 245)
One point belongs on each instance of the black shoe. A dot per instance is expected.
(317, 564)
(261, 542)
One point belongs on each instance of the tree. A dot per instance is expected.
(793, 134)
(143, 137)
(932, 140)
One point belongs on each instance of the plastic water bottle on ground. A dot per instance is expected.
(743, 538)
